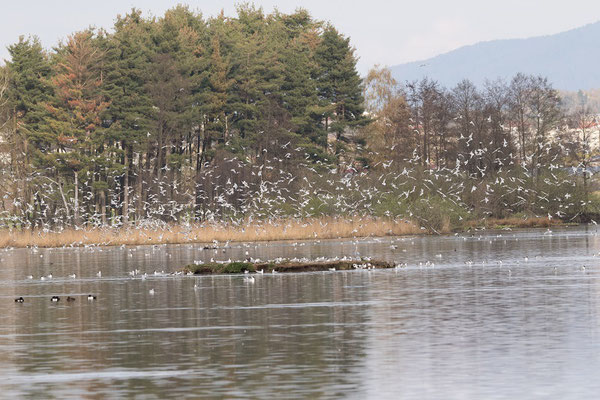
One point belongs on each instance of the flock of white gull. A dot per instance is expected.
(360, 264)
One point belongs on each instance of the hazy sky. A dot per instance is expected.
(384, 32)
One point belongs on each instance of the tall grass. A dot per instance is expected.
(513, 222)
(288, 229)
(280, 229)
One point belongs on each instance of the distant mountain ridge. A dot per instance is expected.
(570, 60)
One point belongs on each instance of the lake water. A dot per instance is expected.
(502, 315)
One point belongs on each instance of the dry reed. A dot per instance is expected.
(318, 228)
(494, 223)
(290, 229)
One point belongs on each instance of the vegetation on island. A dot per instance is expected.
(178, 127)
(285, 266)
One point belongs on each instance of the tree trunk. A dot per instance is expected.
(76, 205)
(139, 189)
(103, 206)
(125, 210)
(198, 213)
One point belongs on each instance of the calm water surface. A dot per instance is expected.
(500, 315)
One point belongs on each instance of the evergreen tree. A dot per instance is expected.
(29, 89)
(299, 90)
(338, 83)
(128, 62)
(115, 125)
(73, 120)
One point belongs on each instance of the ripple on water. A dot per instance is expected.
(452, 330)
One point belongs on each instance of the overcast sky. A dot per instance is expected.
(386, 32)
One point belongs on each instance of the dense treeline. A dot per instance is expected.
(264, 115)
(110, 118)
(512, 148)
(485, 130)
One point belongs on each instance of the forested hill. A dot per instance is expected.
(569, 59)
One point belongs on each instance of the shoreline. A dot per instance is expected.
(262, 231)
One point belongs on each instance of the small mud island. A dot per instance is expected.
(285, 266)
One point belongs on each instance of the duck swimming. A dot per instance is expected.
(91, 297)
(69, 298)
(55, 298)
(19, 300)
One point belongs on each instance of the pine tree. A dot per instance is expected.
(215, 110)
(74, 121)
(338, 83)
(128, 62)
(299, 90)
(29, 89)
(259, 75)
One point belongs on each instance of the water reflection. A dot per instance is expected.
(496, 316)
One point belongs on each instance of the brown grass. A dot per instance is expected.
(315, 228)
(495, 223)
(321, 228)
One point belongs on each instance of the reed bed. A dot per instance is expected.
(316, 228)
(257, 231)
(514, 222)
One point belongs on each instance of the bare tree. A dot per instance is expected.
(424, 98)
(390, 134)
(500, 136)
(519, 94)
(582, 122)
(544, 104)
(469, 123)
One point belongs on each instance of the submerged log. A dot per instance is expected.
(285, 266)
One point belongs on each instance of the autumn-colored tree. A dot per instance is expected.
(389, 136)
(74, 121)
